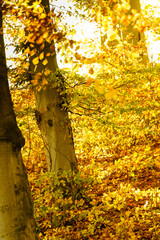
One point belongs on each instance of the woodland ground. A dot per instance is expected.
(116, 194)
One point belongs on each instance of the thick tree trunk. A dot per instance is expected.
(56, 130)
(16, 212)
(52, 119)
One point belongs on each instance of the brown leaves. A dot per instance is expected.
(77, 56)
(91, 71)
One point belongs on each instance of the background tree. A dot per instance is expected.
(16, 209)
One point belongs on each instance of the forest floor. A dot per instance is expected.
(110, 198)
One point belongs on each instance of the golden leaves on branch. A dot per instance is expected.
(39, 58)
(123, 7)
(36, 79)
(41, 79)
(108, 91)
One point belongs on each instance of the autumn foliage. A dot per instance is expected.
(115, 114)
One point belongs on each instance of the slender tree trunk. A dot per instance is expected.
(136, 36)
(52, 119)
(16, 212)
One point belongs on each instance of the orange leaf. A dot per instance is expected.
(77, 56)
(89, 81)
(91, 71)
(39, 40)
(47, 72)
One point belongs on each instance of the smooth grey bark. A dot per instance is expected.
(52, 119)
(16, 210)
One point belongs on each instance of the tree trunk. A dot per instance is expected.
(56, 130)
(16, 212)
(136, 35)
(52, 119)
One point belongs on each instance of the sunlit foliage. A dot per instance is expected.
(115, 113)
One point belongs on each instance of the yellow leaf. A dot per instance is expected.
(33, 52)
(32, 40)
(48, 54)
(27, 50)
(35, 61)
(39, 40)
(26, 65)
(40, 10)
(30, 35)
(45, 35)
(135, 154)
(42, 46)
(21, 32)
(105, 23)
(47, 72)
(31, 45)
(45, 62)
(42, 16)
(41, 56)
